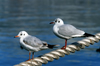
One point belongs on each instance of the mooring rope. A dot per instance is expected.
(38, 61)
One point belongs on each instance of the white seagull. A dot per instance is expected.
(67, 31)
(32, 44)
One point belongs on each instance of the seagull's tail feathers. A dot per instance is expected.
(52, 46)
(88, 35)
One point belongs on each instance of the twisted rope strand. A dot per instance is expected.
(38, 61)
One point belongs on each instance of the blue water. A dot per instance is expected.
(34, 17)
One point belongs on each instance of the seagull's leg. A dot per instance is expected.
(29, 56)
(65, 43)
(64, 47)
(32, 55)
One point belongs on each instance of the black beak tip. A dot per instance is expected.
(51, 23)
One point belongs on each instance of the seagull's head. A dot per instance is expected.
(58, 21)
(22, 34)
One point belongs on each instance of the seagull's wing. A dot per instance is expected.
(33, 41)
(70, 31)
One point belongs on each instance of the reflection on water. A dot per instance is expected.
(34, 17)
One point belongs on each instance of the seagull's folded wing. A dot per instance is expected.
(32, 41)
(70, 31)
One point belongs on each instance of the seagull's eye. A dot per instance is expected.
(24, 34)
(20, 34)
(58, 21)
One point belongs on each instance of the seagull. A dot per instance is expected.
(32, 44)
(67, 31)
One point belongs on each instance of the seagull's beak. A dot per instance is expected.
(16, 36)
(52, 22)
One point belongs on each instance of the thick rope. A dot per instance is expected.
(38, 61)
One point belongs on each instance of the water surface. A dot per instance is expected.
(34, 17)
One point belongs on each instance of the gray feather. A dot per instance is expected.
(69, 30)
(32, 41)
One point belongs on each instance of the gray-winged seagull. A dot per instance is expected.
(67, 31)
(32, 44)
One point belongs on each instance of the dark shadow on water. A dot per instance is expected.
(98, 50)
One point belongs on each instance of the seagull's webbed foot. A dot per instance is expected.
(63, 48)
(28, 60)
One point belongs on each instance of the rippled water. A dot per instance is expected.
(34, 17)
